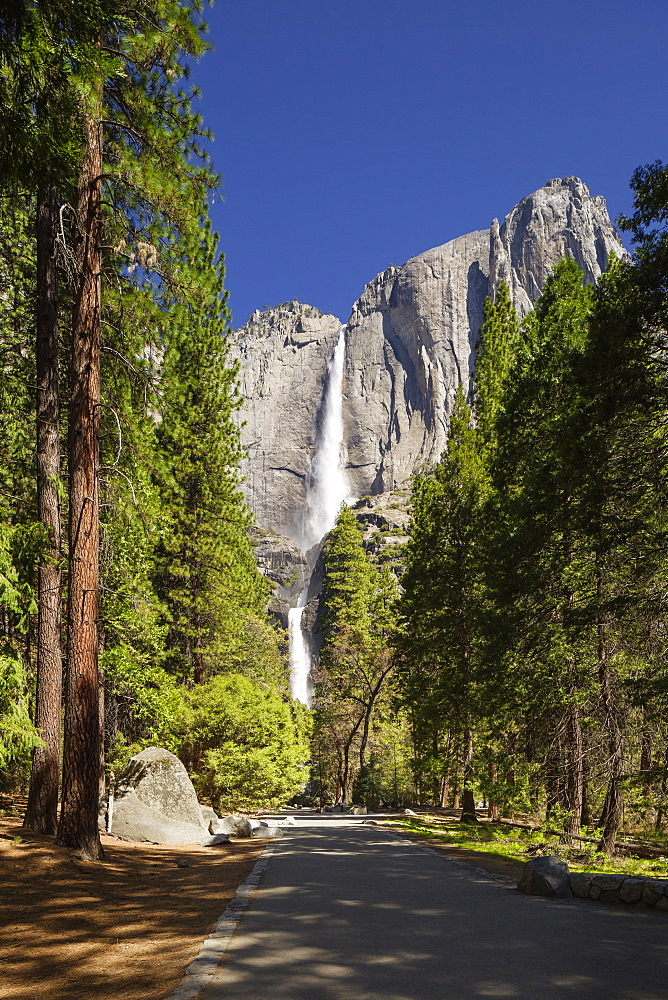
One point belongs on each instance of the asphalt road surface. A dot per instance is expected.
(348, 912)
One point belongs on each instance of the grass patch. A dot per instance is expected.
(520, 845)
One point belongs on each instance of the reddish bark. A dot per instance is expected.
(81, 757)
(42, 812)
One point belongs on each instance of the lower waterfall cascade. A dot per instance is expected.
(300, 657)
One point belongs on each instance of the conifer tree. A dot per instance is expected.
(441, 604)
(355, 659)
(206, 574)
(539, 555)
(497, 350)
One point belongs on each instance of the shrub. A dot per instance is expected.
(246, 746)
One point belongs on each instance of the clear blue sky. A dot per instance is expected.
(358, 133)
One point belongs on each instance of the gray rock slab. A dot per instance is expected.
(545, 877)
(215, 840)
(607, 882)
(652, 891)
(265, 831)
(235, 826)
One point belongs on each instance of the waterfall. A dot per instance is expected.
(328, 484)
(300, 657)
(327, 488)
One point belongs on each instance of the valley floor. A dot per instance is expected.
(122, 929)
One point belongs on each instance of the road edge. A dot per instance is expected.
(205, 964)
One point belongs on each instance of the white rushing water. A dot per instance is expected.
(327, 489)
(300, 657)
(328, 483)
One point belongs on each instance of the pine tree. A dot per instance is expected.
(21, 538)
(355, 660)
(497, 350)
(441, 604)
(39, 152)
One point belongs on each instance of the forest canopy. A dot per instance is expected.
(125, 560)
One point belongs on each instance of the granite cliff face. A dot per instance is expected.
(409, 342)
(283, 354)
(412, 334)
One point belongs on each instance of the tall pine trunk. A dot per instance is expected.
(81, 757)
(493, 805)
(612, 808)
(42, 812)
(468, 799)
(575, 770)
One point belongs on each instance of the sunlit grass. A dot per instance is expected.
(515, 844)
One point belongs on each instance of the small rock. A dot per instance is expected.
(630, 890)
(545, 877)
(260, 832)
(662, 904)
(359, 810)
(215, 840)
(608, 882)
(652, 891)
(409, 812)
(182, 863)
(581, 883)
(595, 892)
(369, 822)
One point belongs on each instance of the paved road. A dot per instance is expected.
(346, 912)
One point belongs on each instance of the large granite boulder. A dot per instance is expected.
(545, 877)
(155, 801)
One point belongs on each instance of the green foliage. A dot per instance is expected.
(180, 593)
(18, 735)
(438, 642)
(497, 348)
(206, 572)
(248, 747)
(355, 660)
(349, 581)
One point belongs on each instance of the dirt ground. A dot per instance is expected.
(125, 928)
(121, 929)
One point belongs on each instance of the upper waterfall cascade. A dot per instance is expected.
(327, 490)
(328, 483)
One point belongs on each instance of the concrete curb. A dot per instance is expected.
(203, 967)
